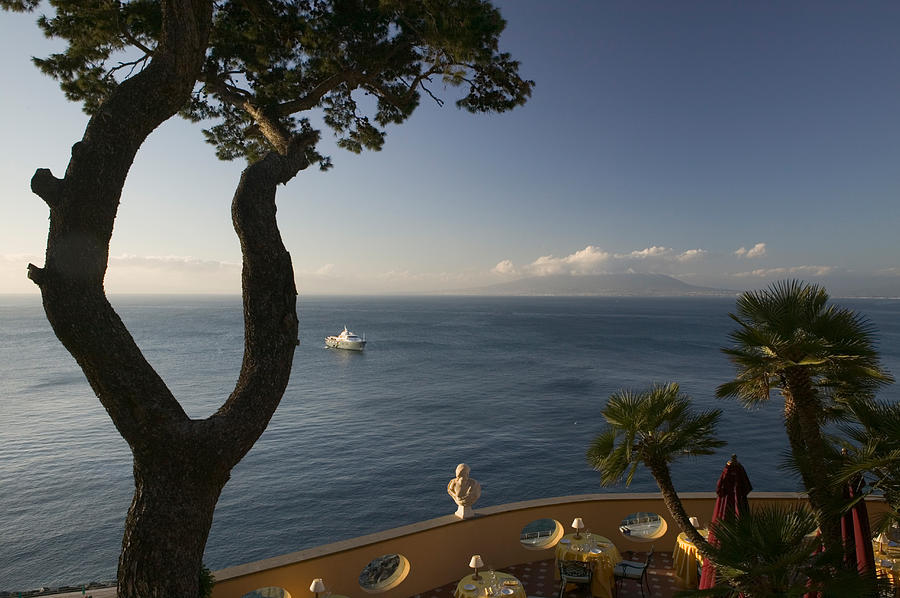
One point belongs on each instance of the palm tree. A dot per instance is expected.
(653, 428)
(773, 551)
(817, 356)
(874, 451)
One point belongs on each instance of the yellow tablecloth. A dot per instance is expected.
(888, 566)
(602, 561)
(505, 580)
(685, 557)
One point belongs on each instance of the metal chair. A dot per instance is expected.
(573, 572)
(634, 570)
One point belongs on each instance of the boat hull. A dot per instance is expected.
(336, 343)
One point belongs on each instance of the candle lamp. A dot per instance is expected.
(578, 524)
(317, 586)
(475, 563)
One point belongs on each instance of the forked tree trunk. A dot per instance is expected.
(178, 482)
(180, 465)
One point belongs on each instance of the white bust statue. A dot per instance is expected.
(464, 490)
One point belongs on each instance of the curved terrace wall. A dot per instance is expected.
(438, 550)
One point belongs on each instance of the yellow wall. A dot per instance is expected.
(438, 550)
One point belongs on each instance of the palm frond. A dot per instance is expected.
(654, 425)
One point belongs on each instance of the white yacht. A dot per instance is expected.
(345, 340)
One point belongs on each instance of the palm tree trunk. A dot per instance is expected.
(808, 447)
(660, 472)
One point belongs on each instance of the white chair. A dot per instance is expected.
(573, 572)
(634, 570)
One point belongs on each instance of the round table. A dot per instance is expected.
(472, 588)
(685, 557)
(599, 551)
(888, 565)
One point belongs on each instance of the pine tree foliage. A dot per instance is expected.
(355, 66)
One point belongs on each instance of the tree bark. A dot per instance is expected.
(660, 472)
(808, 447)
(167, 526)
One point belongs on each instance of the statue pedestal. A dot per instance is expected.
(464, 512)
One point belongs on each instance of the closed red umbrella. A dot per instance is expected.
(731, 497)
(855, 530)
(856, 533)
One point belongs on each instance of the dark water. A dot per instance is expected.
(364, 442)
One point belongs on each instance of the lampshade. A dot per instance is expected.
(882, 538)
(577, 523)
(695, 522)
(317, 585)
(476, 561)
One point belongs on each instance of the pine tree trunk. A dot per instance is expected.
(174, 498)
(167, 527)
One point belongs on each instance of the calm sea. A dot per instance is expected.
(363, 442)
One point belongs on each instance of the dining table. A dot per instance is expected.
(598, 551)
(490, 583)
(888, 566)
(685, 557)
(887, 561)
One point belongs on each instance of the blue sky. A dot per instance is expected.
(661, 137)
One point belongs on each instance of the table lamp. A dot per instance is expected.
(578, 524)
(475, 563)
(882, 540)
(317, 586)
(695, 522)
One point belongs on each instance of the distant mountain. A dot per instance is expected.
(611, 285)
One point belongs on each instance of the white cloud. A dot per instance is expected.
(326, 270)
(545, 266)
(769, 272)
(504, 268)
(130, 273)
(690, 255)
(649, 252)
(587, 258)
(593, 260)
(583, 261)
(757, 250)
(23, 258)
(13, 269)
(169, 262)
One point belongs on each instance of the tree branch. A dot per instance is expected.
(439, 101)
(36, 274)
(273, 130)
(311, 99)
(136, 42)
(225, 92)
(132, 64)
(46, 186)
(83, 209)
(270, 295)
